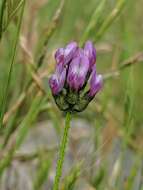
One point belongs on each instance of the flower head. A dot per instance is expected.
(75, 68)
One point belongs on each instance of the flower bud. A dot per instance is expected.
(96, 83)
(57, 80)
(90, 52)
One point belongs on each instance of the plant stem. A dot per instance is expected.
(62, 152)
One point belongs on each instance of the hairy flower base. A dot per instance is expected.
(72, 102)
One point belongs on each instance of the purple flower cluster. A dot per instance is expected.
(75, 81)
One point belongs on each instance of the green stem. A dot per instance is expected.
(62, 152)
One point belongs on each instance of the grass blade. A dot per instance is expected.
(110, 19)
(95, 18)
(42, 172)
(1, 17)
(22, 132)
(5, 94)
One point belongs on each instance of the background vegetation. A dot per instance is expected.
(106, 141)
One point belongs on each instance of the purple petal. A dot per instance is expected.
(90, 52)
(57, 82)
(59, 55)
(70, 51)
(83, 70)
(72, 73)
(77, 72)
(96, 83)
(59, 68)
(62, 79)
(79, 52)
(64, 55)
(93, 75)
(54, 84)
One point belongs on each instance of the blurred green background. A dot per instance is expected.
(106, 140)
